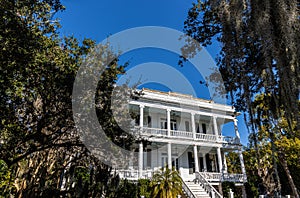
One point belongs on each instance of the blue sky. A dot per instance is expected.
(97, 20)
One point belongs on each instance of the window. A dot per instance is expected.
(147, 121)
(187, 126)
(164, 160)
(137, 120)
(175, 163)
(203, 128)
(164, 125)
(197, 128)
(149, 158)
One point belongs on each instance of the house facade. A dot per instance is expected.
(186, 133)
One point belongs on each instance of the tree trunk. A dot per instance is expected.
(290, 179)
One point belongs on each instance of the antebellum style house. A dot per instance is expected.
(185, 132)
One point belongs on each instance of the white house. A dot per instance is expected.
(185, 133)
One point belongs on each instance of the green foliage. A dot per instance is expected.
(233, 163)
(127, 189)
(226, 186)
(6, 180)
(144, 188)
(260, 46)
(41, 154)
(260, 67)
(166, 183)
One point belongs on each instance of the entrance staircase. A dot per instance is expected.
(199, 188)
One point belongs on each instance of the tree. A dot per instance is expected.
(277, 154)
(41, 154)
(166, 183)
(273, 134)
(260, 54)
(260, 42)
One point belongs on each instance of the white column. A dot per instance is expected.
(169, 156)
(169, 122)
(219, 159)
(216, 127)
(237, 134)
(242, 165)
(204, 162)
(141, 154)
(196, 158)
(142, 115)
(193, 125)
(141, 159)
(225, 163)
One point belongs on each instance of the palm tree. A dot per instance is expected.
(166, 183)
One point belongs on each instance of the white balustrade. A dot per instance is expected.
(128, 174)
(210, 176)
(132, 174)
(185, 134)
(181, 134)
(206, 137)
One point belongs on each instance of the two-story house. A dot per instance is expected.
(186, 133)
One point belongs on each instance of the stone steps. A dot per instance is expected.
(198, 190)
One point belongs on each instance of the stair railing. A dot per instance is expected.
(207, 186)
(187, 190)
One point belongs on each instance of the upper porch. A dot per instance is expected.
(171, 117)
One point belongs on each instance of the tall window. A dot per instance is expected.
(147, 121)
(197, 128)
(203, 128)
(164, 124)
(187, 126)
(175, 163)
(148, 158)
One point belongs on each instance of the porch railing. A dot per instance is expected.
(128, 174)
(217, 177)
(207, 186)
(132, 174)
(233, 177)
(207, 137)
(180, 134)
(186, 135)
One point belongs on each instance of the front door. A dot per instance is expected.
(191, 163)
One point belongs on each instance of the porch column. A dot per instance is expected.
(216, 127)
(193, 125)
(141, 159)
(204, 162)
(141, 116)
(169, 156)
(196, 158)
(237, 134)
(242, 165)
(225, 163)
(219, 159)
(169, 122)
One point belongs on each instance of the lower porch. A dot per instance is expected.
(188, 160)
